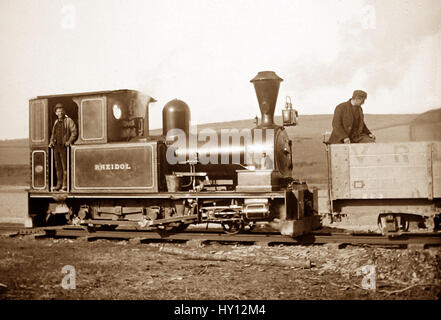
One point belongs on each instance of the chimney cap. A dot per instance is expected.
(266, 75)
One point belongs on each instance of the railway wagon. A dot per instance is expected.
(397, 183)
(120, 175)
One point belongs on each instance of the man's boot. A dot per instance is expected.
(64, 188)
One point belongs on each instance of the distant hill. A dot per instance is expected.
(14, 151)
(309, 151)
(14, 142)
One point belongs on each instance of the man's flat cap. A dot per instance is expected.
(58, 106)
(359, 94)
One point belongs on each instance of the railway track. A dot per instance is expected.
(420, 240)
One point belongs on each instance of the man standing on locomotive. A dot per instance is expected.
(64, 133)
(348, 122)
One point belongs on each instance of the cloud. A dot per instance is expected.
(378, 43)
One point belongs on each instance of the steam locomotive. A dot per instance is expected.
(120, 175)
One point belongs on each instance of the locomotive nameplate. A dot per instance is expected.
(115, 167)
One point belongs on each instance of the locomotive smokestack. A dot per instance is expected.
(267, 85)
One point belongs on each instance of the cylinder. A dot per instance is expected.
(175, 115)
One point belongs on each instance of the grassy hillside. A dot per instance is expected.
(309, 151)
(14, 152)
(14, 162)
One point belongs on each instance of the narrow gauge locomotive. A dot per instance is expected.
(120, 175)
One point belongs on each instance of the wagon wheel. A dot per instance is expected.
(400, 222)
(381, 224)
(404, 223)
(232, 227)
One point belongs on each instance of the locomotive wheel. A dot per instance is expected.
(232, 227)
(69, 216)
(108, 227)
(180, 227)
(249, 227)
(173, 227)
(91, 228)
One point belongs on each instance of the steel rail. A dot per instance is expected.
(318, 237)
(432, 239)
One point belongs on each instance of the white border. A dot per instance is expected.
(44, 168)
(117, 147)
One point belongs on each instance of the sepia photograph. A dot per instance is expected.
(220, 158)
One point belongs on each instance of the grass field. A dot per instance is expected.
(309, 152)
(114, 270)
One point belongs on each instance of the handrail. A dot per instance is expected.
(51, 189)
(68, 168)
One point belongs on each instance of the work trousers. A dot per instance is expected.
(60, 164)
(362, 138)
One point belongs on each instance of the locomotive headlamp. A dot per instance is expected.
(117, 112)
(289, 115)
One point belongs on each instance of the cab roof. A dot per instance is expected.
(105, 92)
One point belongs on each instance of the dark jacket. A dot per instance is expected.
(343, 121)
(70, 131)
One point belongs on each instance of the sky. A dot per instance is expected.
(205, 52)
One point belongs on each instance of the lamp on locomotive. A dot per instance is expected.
(289, 115)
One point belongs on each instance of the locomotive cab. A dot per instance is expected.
(100, 117)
